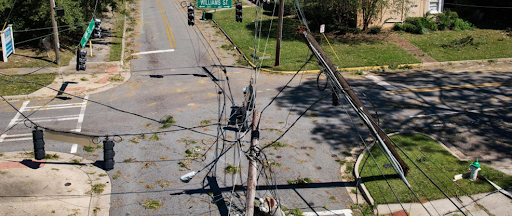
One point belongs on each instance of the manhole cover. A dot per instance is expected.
(388, 166)
(67, 184)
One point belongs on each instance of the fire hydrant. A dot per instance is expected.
(474, 168)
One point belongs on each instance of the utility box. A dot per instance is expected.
(207, 16)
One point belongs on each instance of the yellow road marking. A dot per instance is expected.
(450, 87)
(168, 30)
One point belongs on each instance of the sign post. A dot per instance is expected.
(7, 42)
(87, 33)
(214, 4)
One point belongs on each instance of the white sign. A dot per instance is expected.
(7, 42)
(322, 28)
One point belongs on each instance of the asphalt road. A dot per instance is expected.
(188, 84)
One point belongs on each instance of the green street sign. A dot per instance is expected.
(87, 33)
(214, 4)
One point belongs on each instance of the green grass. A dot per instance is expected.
(117, 40)
(20, 87)
(98, 188)
(294, 51)
(230, 169)
(486, 44)
(448, 166)
(27, 57)
(152, 204)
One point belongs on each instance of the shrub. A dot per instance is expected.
(375, 30)
(398, 27)
(460, 24)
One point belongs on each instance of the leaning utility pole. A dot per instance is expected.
(253, 166)
(279, 32)
(341, 85)
(55, 33)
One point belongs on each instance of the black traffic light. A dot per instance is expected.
(37, 138)
(190, 12)
(80, 59)
(97, 28)
(238, 7)
(108, 155)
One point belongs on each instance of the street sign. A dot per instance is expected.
(87, 33)
(214, 4)
(322, 28)
(7, 42)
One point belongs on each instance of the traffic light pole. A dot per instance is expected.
(55, 33)
(279, 33)
(341, 85)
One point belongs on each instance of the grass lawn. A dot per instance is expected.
(20, 87)
(27, 57)
(442, 46)
(425, 152)
(294, 51)
(116, 47)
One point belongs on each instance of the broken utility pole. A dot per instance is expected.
(253, 166)
(341, 85)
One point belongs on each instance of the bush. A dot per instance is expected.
(346, 30)
(375, 30)
(443, 21)
(460, 24)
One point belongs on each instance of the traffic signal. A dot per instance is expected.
(238, 7)
(108, 155)
(80, 59)
(37, 138)
(191, 20)
(97, 28)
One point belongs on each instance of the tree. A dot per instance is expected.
(370, 10)
(32, 14)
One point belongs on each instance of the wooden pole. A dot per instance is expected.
(279, 33)
(55, 33)
(370, 123)
(253, 166)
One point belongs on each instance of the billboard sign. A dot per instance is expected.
(214, 4)
(7, 42)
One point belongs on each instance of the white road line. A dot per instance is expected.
(18, 139)
(18, 135)
(81, 116)
(53, 118)
(155, 51)
(378, 81)
(14, 120)
(58, 106)
(346, 212)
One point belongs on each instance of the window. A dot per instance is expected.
(436, 6)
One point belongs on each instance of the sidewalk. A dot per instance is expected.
(58, 186)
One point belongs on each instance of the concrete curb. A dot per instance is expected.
(58, 186)
(360, 184)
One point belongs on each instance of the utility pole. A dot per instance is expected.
(341, 85)
(253, 166)
(55, 33)
(279, 32)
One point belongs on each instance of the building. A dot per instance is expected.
(397, 10)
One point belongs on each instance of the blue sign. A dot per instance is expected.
(7, 43)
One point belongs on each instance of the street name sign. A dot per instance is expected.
(214, 4)
(87, 33)
(7, 43)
